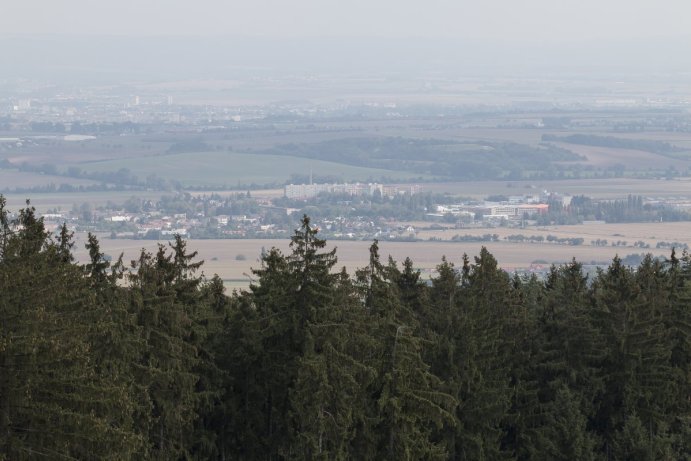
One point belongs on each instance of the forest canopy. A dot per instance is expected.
(152, 360)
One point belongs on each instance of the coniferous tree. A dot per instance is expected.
(409, 399)
(115, 338)
(301, 352)
(168, 359)
(313, 364)
(55, 402)
(483, 352)
(565, 363)
(677, 322)
(271, 349)
(637, 364)
(318, 419)
(441, 326)
(243, 427)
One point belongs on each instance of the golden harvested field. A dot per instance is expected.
(220, 255)
(650, 233)
(610, 188)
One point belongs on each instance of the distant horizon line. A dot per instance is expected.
(515, 40)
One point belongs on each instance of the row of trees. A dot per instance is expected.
(100, 361)
(648, 145)
(120, 179)
(575, 241)
(613, 211)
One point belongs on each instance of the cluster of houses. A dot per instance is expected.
(361, 227)
(206, 218)
(154, 224)
(306, 191)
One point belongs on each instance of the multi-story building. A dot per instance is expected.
(305, 191)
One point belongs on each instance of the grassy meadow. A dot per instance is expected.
(232, 169)
(231, 158)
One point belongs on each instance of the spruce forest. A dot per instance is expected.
(150, 359)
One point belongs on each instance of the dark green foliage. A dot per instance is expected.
(638, 379)
(56, 399)
(409, 400)
(156, 362)
(444, 158)
(560, 377)
(482, 346)
(659, 147)
(163, 297)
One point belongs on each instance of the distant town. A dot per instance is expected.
(431, 158)
(360, 212)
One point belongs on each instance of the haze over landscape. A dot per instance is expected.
(151, 39)
(506, 185)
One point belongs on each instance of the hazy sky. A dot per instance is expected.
(533, 20)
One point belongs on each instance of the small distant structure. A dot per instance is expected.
(305, 191)
(492, 211)
(23, 105)
(180, 231)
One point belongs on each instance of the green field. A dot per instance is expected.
(66, 200)
(235, 169)
(11, 179)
